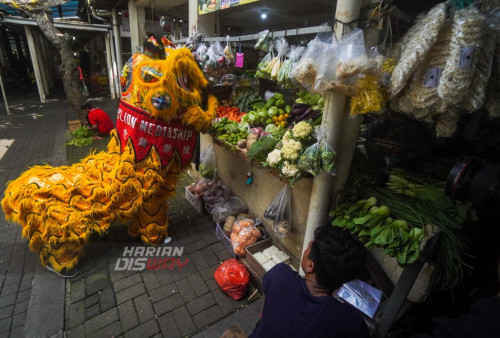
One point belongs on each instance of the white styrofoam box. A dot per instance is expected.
(280, 257)
(269, 252)
(259, 257)
(268, 265)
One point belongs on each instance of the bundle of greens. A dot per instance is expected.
(81, 137)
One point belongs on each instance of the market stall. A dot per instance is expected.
(295, 120)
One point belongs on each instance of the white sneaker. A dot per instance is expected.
(167, 240)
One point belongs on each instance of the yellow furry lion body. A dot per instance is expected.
(60, 207)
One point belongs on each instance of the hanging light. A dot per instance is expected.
(263, 15)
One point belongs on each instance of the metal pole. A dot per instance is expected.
(109, 66)
(3, 94)
(333, 121)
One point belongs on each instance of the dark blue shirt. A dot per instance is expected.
(291, 311)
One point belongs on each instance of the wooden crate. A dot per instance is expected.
(261, 246)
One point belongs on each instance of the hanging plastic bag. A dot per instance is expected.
(288, 65)
(263, 41)
(282, 49)
(328, 154)
(280, 211)
(352, 57)
(265, 66)
(208, 162)
(232, 277)
(310, 160)
(228, 53)
(326, 77)
(243, 234)
(305, 71)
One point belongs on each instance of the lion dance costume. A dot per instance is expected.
(164, 103)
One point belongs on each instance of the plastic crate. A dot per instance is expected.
(219, 232)
(195, 202)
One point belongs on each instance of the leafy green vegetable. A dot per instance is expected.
(81, 137)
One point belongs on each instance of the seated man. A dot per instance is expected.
(97, 119)
(298, 306)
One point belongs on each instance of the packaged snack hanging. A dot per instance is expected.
(305, 70)
(280, 211)
(233, 278)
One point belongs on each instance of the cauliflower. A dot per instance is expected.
(290, 170)
(287, 136)
(302, 130)
(274, 157)
(291, 149)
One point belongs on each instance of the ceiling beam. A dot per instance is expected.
(64, 25)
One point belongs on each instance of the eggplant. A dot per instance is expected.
(300, 105)
(298, 111)
(310, 114)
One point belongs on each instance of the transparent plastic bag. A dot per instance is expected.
(217, 194)
(288, 65)
(280, 211)
(233, 207)
(310, 160)
(243, 234)
(305, 71)
(265, 67)
(282, 49)
(328, 156)
(326, 77)
(208, 162)
(263, 41)
(467, 32)
(352, 57)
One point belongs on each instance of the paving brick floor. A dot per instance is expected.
(103, 302)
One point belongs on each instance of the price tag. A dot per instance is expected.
(466, 57)
(432, 77)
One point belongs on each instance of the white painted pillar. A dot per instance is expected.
(116, 81)
(43, 61)
(137, 20)
(204, 24)
(334, 115)
(35, 62)
(109, 66)
(117, 39)
(3, 94)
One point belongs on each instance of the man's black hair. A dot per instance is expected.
(86, 105)
(338, 256)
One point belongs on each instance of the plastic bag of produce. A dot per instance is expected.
(263, 41)
(326, 77)
(286, 68)
(208, 162)
(233, 277)
(215, 195)
(233, 207)
(310, 160)
(265, 66)
(243, 234)
(280, 211)
(304, 73)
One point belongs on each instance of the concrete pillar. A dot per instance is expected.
(43, 61)
(204, 24)
(35, 61)
(113, 64)
(137, 20)
(109, 64)
(117, 39)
